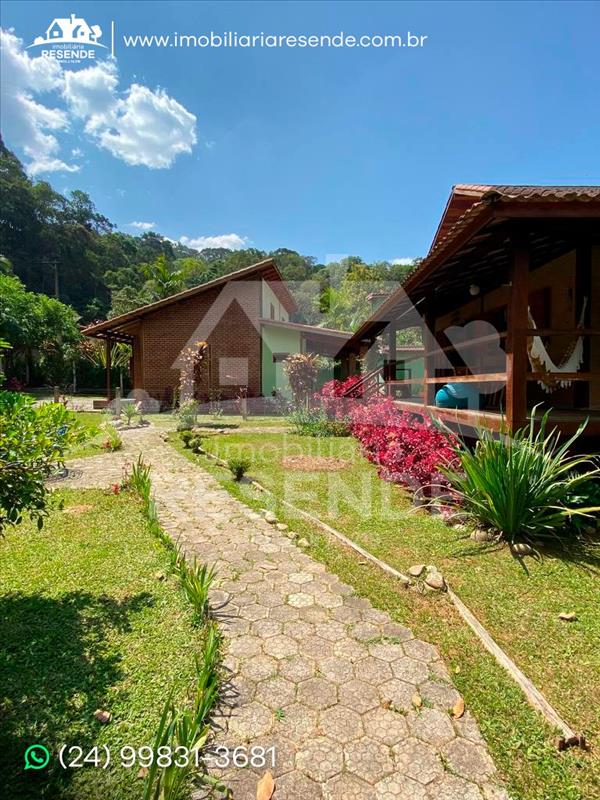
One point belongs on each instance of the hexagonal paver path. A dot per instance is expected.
(315, 672)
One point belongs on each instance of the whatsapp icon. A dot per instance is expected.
(37, 757)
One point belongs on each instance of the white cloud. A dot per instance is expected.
(404, 262)
(231, 241)
(142, 127)
(143, 226)
(76, 152)
(24, 120)
(138, 125)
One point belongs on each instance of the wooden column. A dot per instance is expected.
(392, 352)
(430, 344)
(108, 346)
(516, 340)
(352, 364)
(583, 289)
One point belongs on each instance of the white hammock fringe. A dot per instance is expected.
(538, 353)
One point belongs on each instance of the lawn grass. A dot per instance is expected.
(231, 420)
(89, 619)
(92, 421)
(518, 603)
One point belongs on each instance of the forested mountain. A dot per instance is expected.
(63, 247)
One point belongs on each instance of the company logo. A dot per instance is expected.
(70, 39)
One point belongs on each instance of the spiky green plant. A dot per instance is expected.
(196, 581)
(138, 480)
(188, 728)
(239, 467)
(129, 412)
(521, 486)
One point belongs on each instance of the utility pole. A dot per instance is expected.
(56, 287)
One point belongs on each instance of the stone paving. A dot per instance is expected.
(316, 671)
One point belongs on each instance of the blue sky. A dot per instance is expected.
(326, 151)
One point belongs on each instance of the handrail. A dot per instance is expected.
(363, 381)
(556, 332)
(482, 378)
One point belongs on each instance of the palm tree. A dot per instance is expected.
(163, 280)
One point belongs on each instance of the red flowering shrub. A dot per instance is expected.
(334, 400)
(406, 449)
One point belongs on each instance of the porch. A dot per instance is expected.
(508, 302)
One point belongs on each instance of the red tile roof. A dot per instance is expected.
(467, 197)
(267, 269)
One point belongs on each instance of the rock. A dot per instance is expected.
(416, 570)
(521, 549)
(102, 716)
(567, 616)
(431, 568)
(303, 542)
(480, 535)
(281, 526)
(270, 517)
(291, 535)
(460, 527)
(435, 580)
(417, 700)
(160, 576)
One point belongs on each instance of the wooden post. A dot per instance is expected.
(583, 289)
(516, 340)
(430, 343)
(108, 345)
(351, 364)
(391, 361)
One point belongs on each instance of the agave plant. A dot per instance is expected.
(522, 486)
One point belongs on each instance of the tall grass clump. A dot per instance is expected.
(522, 486)
(239, 467)
(188, 728)
(196, 580)
(316, 422)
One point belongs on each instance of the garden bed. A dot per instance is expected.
(518, 602)
(89, 619)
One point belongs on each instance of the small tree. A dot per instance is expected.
(193, 360)
(33, 440)
(301, 370)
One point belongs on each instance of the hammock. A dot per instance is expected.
(541, 361)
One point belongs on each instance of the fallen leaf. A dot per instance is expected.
(142, 772)
(417, 700)
(102, 716)
(265, 786)
(77, 509)
(458, 709)
(568, 616)
(386, 704)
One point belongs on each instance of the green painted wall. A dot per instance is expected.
(277, 340)
(270, 298)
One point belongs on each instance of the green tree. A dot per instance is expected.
(39, 329)
(33, 440)
(163, 279)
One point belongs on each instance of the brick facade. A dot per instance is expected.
(164, 333)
